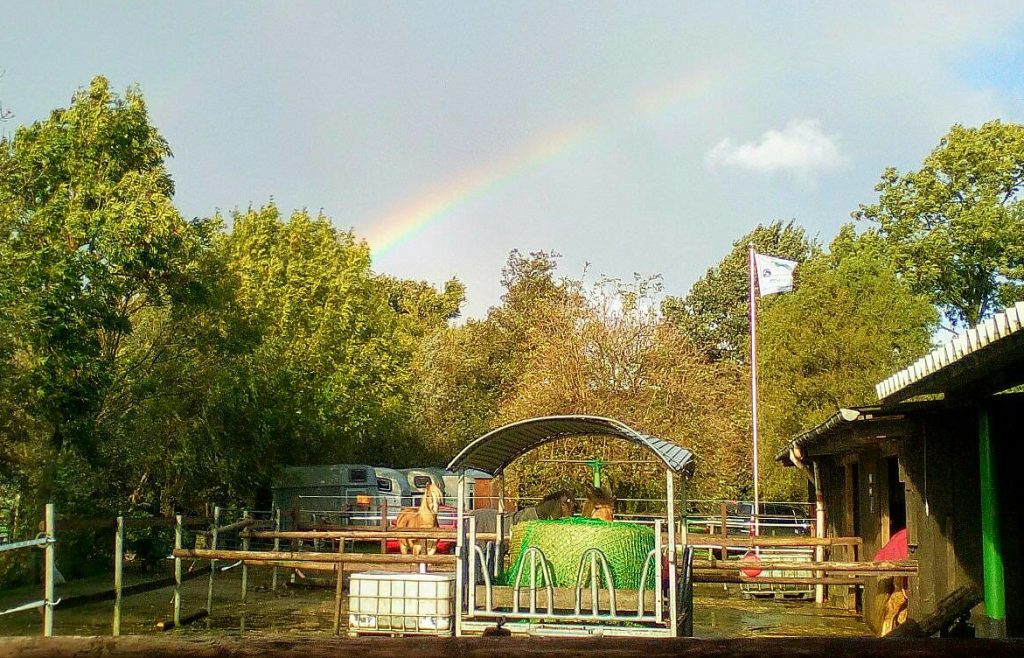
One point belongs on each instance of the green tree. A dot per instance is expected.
(89, 239)
(327, 380)
(956, 226)
(714, 313)
(850, 322)
(460, 374)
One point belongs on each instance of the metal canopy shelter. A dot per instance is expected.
(494, 451)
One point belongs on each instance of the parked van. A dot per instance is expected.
(393, 486)
(325, 495)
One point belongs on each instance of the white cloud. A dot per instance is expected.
(801, 148)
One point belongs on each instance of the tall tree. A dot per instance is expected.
(956, 226)
(89, 238)
(460, 374)
(714, 313)
(327, 374)
(850, 321)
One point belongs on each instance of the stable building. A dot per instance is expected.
(934, 457)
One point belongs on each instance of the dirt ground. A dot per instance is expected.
(719, 612)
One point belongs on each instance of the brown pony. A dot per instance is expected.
(423, 517)
(600, 503)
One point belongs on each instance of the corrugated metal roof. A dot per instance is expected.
(920, 377)
(874, 421)
(495, 450)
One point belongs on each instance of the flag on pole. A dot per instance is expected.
(774, 275)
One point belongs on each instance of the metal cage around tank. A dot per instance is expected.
(587, 608)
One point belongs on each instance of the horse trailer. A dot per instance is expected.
(393, 486)
(325, 495)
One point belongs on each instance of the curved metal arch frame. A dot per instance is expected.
(484, 455)
(495, 450)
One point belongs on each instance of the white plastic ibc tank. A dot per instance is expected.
(402, 603)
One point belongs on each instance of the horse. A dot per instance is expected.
(600, 503)
(556, 505)
(423, 517)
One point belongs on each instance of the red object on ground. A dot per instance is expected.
(751, 558)
(894, 550)
(445, 519)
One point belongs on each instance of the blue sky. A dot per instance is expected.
(362, 108)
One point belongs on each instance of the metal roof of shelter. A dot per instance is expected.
(495, 450)
(985, 359)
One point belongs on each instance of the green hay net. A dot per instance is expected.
(564, 541)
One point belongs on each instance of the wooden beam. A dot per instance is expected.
(746, 541)
(310, 556)
(487, 647)
(701, 576)
(391, 533)
(903, 568)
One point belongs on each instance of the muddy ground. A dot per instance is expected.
(296, 610)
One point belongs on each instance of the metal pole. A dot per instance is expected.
(177, 571)
(277, 545)
(673, 574)
(338, 588)
(499, 538)
(213, 563)
(819, 530)
(245, 567)
(50, 565)
(751, 268)
(471, 546)
(118, 573)
(460, 553)
(991, 540)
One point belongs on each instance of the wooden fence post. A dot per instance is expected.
(725, 532)
(118, 573)
(337, 590)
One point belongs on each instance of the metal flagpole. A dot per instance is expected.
(752, 271)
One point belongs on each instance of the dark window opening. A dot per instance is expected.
(420, 481)
(897, 497)
(384, 485)
(357, 475)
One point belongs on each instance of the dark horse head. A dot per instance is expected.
(556, 505)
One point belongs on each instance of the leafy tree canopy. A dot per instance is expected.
(714, 313)
(88, 238)
(956, 225)
(850, 322)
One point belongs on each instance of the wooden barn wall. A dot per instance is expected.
(838, 522)
(943, 507)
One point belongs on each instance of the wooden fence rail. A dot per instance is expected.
(745, 541)
(390, 533)
(129, 522)
(311, 556)
(902, 568)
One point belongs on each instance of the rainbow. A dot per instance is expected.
(404, 222)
